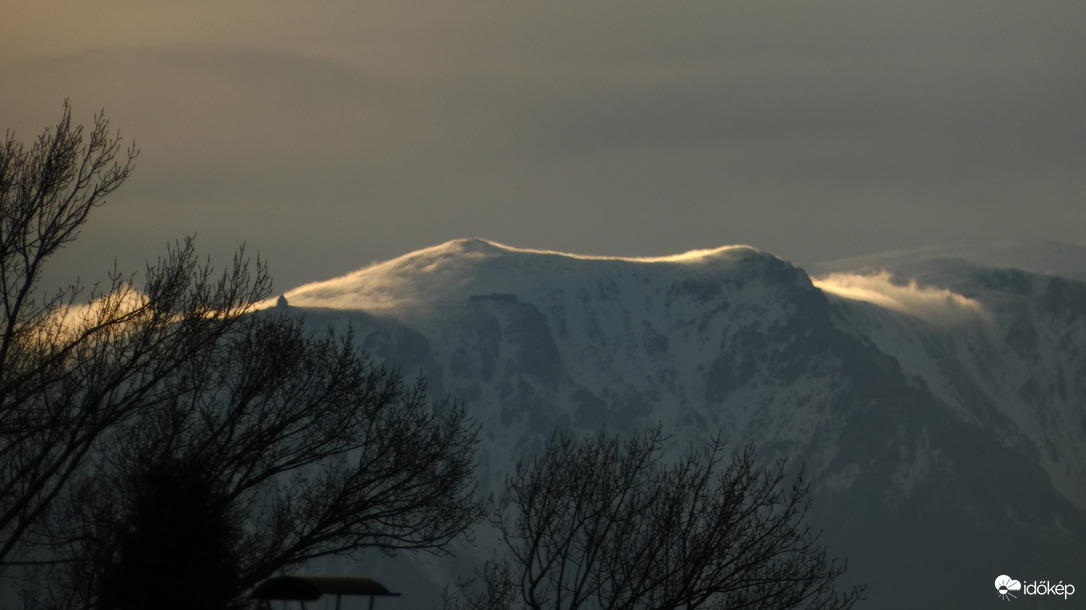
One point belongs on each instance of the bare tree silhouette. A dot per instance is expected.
(176, 405)
(606, 523)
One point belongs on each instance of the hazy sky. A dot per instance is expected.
(327, 135)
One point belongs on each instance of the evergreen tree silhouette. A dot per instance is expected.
(176, 549)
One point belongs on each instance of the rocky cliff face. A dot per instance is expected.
(942, 423)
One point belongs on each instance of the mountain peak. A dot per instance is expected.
(468, 245)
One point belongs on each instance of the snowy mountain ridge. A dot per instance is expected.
(459, 268)
(928, 398)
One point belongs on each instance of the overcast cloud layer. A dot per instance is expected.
(334, 134)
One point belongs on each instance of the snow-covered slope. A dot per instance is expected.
(1011, 359)
(936, 403)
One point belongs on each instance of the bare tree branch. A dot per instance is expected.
(605, 523)
(69, 373)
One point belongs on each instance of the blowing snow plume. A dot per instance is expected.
(458, 269)
(933, 305)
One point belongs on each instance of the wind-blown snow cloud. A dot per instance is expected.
(929, 303)
(118, 304)
(462, 267)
